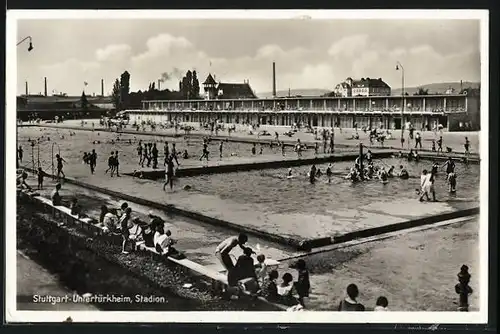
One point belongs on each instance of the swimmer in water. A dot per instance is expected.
(403, 173)
(312, 174)
(319, 172)
(290, 173)
(390, 172)
(452, 182)
(329, 172)
(383, 175)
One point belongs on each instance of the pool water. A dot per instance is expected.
(277, 194)
(73, 147)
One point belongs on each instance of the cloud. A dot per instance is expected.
(114, 52)
(168, 57)
(349, 46)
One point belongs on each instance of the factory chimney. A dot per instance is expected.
(274, 79)
(27, 91)
(102, 87)
(45, 85)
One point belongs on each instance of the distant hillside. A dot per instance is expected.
(295, 92)
(437, 88)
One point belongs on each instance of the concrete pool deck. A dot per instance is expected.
(359, 263)
(196, 239)
(454, 140)
(316, 229)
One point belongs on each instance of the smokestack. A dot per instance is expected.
(274, 79)
(159, 81)
(45, 82)
(27, 91)
(102, 87)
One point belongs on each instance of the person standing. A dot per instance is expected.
(117, 164)
(60, 166)
(93, 161)
(221, 144)
(20, 153)
(466, 146)
(154, 152)
(282, 144)
(418, 140)
(440, 144)
(111, 164)
(169, 174)
(174, 154)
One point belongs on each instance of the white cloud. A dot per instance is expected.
(356, 56)
(349, 46)
(114, 52)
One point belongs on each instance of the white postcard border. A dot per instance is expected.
(13, 315)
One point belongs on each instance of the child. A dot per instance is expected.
(41, 175)
(302, 286)
(261, 268)
(452, 182)
(285, 290)
(381, 305)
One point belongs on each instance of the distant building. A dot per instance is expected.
(214, 90)
(370, 87)
(363, 87)
(450, 91)
(343, 89)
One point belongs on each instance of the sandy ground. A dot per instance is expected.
(416, 271)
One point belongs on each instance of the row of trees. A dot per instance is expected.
(189, 88)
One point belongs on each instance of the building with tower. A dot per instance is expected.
(219, 90)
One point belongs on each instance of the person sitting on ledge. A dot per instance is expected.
(269, 288)
(164, 243)
(350, 304)
(21, 181)
(261, 268)
(56, 197)
(286, 290)
(110, 220)
(244, 272)
(76, 209)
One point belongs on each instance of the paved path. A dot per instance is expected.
(34, 280)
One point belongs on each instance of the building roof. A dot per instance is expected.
(367, 82)
(210, 80)
(235, 91)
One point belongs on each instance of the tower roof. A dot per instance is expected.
(210, 80)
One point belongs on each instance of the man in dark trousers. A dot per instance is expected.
(93, 161)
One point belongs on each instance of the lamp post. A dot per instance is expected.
(400, 67)
(30, 47)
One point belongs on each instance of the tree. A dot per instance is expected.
(180, 86)
(189, 81)
(116, 95)
(422, 91)
(152, 86)
(195, 86)
(83, 101)
(125, 88)
(185, 87)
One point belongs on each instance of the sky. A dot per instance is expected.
(308, 53)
